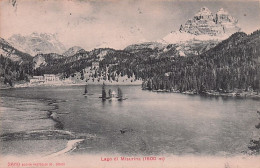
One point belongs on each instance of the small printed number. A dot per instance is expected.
(13, 164)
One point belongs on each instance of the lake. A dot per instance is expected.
(147, 123)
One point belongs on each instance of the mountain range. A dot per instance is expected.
(203, 27)
(206, 43)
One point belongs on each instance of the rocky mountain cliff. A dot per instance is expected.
(204, 23)
(36, 43)
(228, 23)
(205, 26)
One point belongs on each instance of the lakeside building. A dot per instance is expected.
(37, 79)
(50, 78)
(46, 78)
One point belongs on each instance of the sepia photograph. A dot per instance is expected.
(129, 84)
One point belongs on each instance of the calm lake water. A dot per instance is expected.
(147, 123)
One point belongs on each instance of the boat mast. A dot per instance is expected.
(86, 89)
(103, 92)
(120, 94)
(109, 93)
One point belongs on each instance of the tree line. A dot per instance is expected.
(11, 72)
(234, 63)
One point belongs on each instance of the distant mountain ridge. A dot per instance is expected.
(37, 43)
(8, 51)
(189, 48)
(73, 50)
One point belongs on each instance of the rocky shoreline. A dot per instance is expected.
(243, 94)
(254, 145)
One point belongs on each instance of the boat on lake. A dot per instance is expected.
(86, 91)
(120, 96)
(112, 95)
(104, 95)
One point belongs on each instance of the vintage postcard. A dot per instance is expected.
(129, 84)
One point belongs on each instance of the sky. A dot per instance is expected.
(113, 23)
